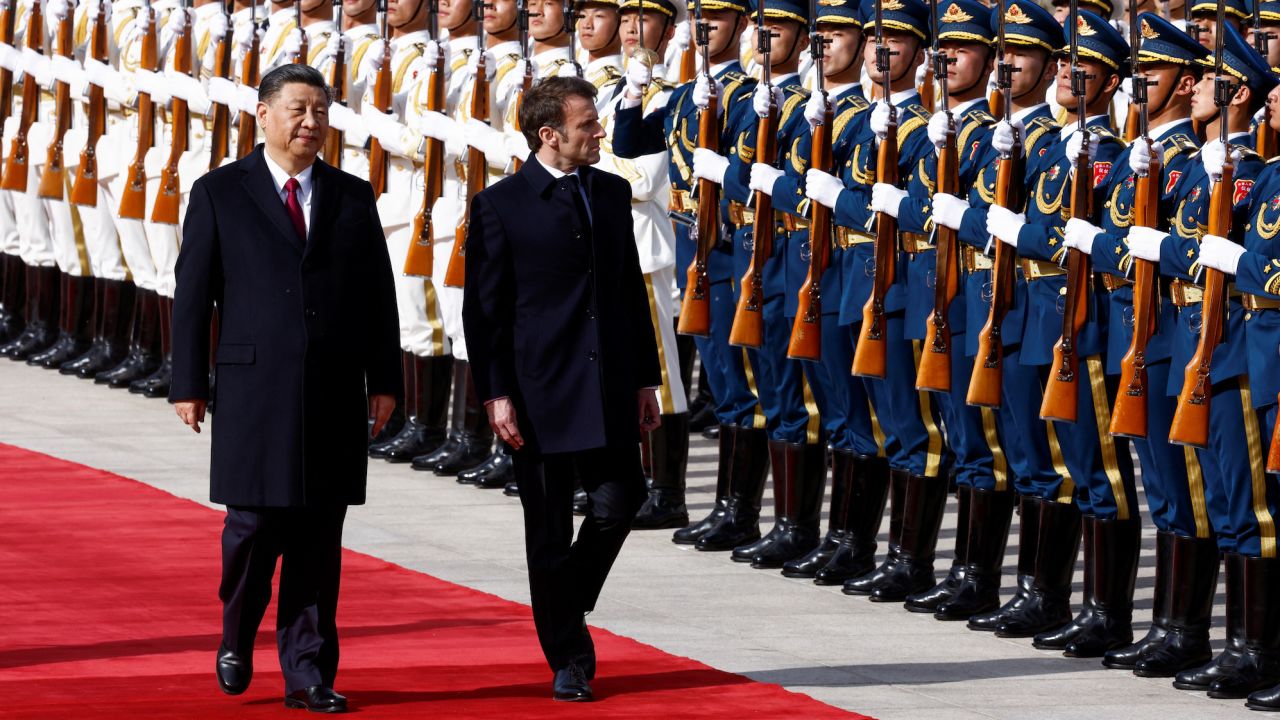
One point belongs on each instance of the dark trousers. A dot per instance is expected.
(310, 542)
(566, 575)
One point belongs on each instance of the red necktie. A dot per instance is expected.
(294, 208)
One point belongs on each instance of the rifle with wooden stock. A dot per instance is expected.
(419, 261)
(7, 21)
(16, 165)
(985, 381)
(53, 180)
(133, 199)
(934, 372)
(748, 318)
(338, 84)
(169, 196)
(1061, 393)
(304, 42)
(806, 330)
(870, 353)
(378, 157)
(695, 308)
(220, 131)
(84, 189)
(1191, 418)
(1129, 413)
(247, 122)
(477, 166)
(1266, 138)
(526, 81)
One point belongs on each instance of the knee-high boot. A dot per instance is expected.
(724, 465)
(1125, 658)
(424, 429)
(12, 294)
(41, 331)
(664, 508)
(1048, 603)
(926, 501)
(868, 491)
(1258, 667)
(929, 600)
(865, 583)
(1115, 567)
(990, 513)
(1028, 545)
(806, 474)
(75, 324)
(1184, 651)
(837, 520)
(750, 469)
(156, 385)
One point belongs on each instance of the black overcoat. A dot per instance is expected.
(307, 332)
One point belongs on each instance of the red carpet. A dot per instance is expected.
(109, 609)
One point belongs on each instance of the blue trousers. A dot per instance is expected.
(726, 369)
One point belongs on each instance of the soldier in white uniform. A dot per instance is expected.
(601, 41)
(13, 272)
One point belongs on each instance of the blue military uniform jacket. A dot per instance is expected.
(1259, 274)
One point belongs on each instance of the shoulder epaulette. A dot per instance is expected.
(843, 119)
(917, 118)
(981, 117)
(790, 104)
(1247, 153)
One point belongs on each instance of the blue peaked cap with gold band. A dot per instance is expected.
(1098, 40)
(1242, 62)
(1164, 42)
(966, 21)
(1268, 10)
(742, 6)
(1029, 25)
(673, 10)
(1235, 8)
(784, 10)
(839, 12)
(908, 16)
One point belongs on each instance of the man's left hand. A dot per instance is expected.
(650, 413)
(380, 407)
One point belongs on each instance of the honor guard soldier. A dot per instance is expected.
(1227, 438)
(598, 36)
(13, 271)
(362, 47)
(1204, 19)
(742, 459)
(1168, 65)
(1097, 475)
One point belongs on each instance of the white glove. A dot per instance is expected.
(886, 198)
(66, 70)
(760, 100)
(10, 58)
(430, 55)
(217, 25)
(153, 84)
(1140, 155)
(822, 187)
(948, 210)
(107, 78)
(383, 126)
(516, 145)
(186, 87)
(56, 11)
(1126, 88)
(1144, 243)
(709, 165)
(92, 11)
(437, 126)
(1005, 224)
(341, 117)
(223, 91)
(490, 64)
(684, 35)
(487, 140)
(242, 39)
(173, 24)
(37, 66)
(763, 177)
(1075, 141)
(1213, 155)
(880, 119)
(292, 43)
(639, 75)
(1079, 234)
(815, 110)
(1220, 253)
(702, 94)
(134, 29)
(1002, 137)
(331, 48)
(939, 122)
(247, 98)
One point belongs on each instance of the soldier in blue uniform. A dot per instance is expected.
(1031, 36)
(1168, 57)
(1204, 19)
(1241, 510)
(742, 441)
(1097, 477)
(965, 38)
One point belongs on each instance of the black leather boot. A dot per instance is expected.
(837, 520)
(463, 395)
(1265, 700)
(75, 324)
(12, 297)
(990, 513)
(926, 501)
(1059, 637)
(1125, 658)
(778, 466)
(855, 554)
(669, 459)
(494, 472)
(749, 470)
(929, 600)
(1185, 650)
(156, 385)
(581, 502)
(806, 484)
(404, 405)
(865, 583)
(1258, 667)
(1028, 545)
(141, 360)
(114, 307)
(473, 440)
(690, 534)
(1116, 544)
(1048, 602)
(41, 329)
(424, 429)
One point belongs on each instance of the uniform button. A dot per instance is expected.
(1248, 316)
(591, 355)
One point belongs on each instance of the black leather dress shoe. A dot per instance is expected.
(571, 685)
(234, 672)
(316, 698)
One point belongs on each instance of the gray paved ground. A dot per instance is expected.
(874, 659)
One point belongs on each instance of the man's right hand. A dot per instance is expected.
(191, 412)
(502, 418)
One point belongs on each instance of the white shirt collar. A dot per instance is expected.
(1163, 128)
(1022, 114)
(901, 96)
(963, 107)
(556, 173)
(279, 177)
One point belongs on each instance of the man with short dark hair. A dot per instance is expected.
(562, 349)
(291, 252)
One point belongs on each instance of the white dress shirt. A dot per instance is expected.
(557, 173)
(279, 177)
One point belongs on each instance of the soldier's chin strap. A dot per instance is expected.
(469, 16)
(422, 4)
